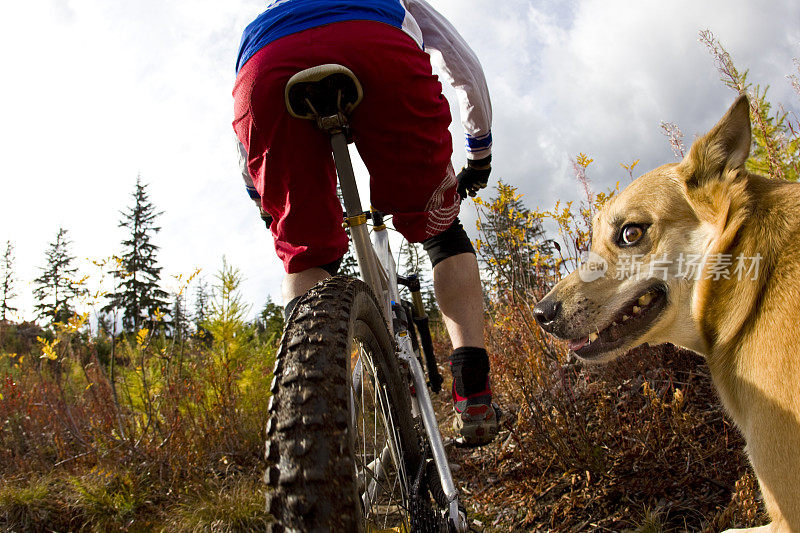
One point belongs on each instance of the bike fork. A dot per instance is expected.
(365, 255)
(431, 425)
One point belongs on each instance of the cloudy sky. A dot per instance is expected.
(96, 92)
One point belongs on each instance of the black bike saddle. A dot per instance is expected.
(323, 91)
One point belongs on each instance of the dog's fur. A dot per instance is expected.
(747, 329)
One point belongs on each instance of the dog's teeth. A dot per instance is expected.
(593, 337)
(636, 310)
(646, 299)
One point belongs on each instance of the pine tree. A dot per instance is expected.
(200, 303)
(512, 242)
(201, 311)
(270, 319)
(138, 293)
(226, 321)
(56, 289)
(180, 322)
(7, 282)
(349, 266)
(412, 259)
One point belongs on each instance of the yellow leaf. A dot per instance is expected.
(75, 323)
(584, 160)
(141, 337)
(48, 349)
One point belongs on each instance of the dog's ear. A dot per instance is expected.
(726, 147)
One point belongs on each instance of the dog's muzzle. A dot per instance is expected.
(546, 313)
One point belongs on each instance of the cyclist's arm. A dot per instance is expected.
(249, 185)
(461, 68)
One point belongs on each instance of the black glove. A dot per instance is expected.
(266, 217)
(474, 176)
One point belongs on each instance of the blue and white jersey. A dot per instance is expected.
(284, 17)
(456, 61)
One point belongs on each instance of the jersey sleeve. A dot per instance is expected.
(461, 68)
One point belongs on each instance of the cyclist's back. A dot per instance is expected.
(285, 17)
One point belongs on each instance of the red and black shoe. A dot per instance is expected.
(476, 418)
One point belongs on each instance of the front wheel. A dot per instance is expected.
(341, 439)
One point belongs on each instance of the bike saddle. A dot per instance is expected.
(323, 91)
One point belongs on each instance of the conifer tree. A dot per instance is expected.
(512, 238)
(200, 303)
(226, 320)
(180, 322)
(270, 319)
(7, 282)
(349, 266)
(412, 259)
(56, 289)
(138, 293)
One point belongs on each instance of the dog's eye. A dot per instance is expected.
(631, 234)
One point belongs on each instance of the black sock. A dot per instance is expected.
(470, 367)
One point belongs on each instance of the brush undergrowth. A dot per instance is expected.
(151, 434)
(641, 444)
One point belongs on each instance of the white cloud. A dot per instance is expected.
(598, 76)
(96, 91)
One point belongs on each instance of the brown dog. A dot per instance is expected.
(705, 255)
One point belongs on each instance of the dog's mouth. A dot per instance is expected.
(634, 319)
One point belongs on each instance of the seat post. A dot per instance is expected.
(327, 94)
(347, 178)
(356, 219)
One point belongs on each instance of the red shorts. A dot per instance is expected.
(400, 129)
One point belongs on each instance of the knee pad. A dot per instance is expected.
(452, 241)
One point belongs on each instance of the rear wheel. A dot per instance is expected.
(342, 444)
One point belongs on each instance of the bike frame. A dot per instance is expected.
(378, 270)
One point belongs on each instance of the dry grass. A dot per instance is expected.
(641, 445)
(145, 433)
(153, 434)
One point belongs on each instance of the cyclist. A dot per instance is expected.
(401, 132)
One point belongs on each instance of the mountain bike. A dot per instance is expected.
(352, 440)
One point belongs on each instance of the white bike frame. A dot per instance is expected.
(378, 270)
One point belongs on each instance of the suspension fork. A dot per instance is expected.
(423, 403)
(385, 289)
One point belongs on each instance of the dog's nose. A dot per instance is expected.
(546, 312)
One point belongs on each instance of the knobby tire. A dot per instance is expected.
(311, 440)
